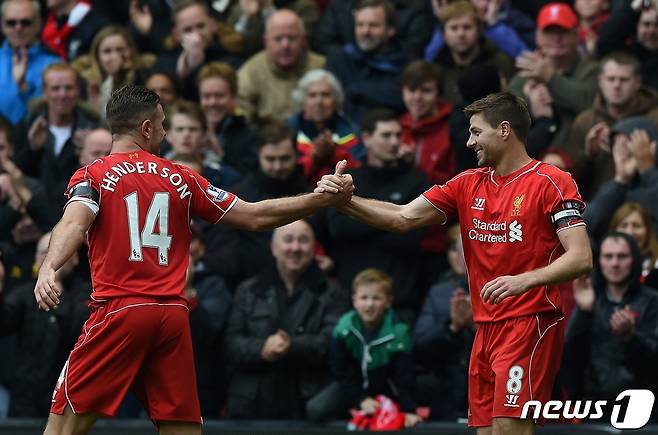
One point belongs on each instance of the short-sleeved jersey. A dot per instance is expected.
(139, 242)
(509, 225)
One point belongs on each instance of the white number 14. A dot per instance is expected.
(158, 210)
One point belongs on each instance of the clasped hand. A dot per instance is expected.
(339, 185)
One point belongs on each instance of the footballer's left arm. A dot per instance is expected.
(576, 261)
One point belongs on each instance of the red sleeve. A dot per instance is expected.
(444, 197)
(208, 202)
(83, 187)
(562, 200)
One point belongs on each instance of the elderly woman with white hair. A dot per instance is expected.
(324, 135)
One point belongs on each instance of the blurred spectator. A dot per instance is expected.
(355, 246)
(475, 82)
(279, 331)
(197, 38)
(633, 25)
(70, 27)
(621, 95)
(591, 15)
(22, 57)
(249, 17)
(412, 20)
(113, 61)
(636, 176)
(512, 31)
(53, 132)
(555, 74)
(96, 144)
(227, 131)
(278, 175)
(150, 20)
(209, 301)
(267, 79)
(369, 68)
(611, 341)
(370, 354)
(163, 84)
(465, 46)
(186, 126)
(633, 219)
(425, 130)
(427, 145)
(44, 338)
(558, 158)
(8, 348)
(324, 134)
(443, 337)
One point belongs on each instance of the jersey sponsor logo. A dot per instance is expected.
(518, 202)
(217, 195)
(478, 204)
(515, 232)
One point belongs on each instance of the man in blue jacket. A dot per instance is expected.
(22, 57)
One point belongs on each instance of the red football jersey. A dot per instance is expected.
(507, 229)
(139, 243)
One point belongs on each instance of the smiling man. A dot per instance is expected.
(22, 57)
(522, 233)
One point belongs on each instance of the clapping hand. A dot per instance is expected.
(583, 293)
(533, 65)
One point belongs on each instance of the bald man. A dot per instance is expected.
(268, 77)
(97, 144)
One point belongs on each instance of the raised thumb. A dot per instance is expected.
(340, 167)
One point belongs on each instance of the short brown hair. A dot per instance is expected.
(60, 66)
(456, 10)
(503, 106)
(274, 132)
(419, 72)
(220, 70)
(187, 108)
(622, 58)
(389, 9)
(184, 4)
(129, 106)
(373, 276)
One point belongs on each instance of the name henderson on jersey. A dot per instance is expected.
(125, 168)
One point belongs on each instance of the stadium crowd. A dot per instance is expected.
(263, 98)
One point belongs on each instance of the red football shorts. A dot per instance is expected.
(513, 361)
(139, 344)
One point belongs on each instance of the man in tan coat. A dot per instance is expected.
(266, 80)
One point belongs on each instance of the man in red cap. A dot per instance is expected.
(556, 73)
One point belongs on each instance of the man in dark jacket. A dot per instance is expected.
(369, 68)
(355, 246)
(336, 26)
(611, 342)
(44, 338)
(279, 331)
(53, 132)
(278, 175)
(633, 27)
(443, 337)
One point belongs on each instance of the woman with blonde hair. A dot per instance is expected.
(633, 219)
(113, 61)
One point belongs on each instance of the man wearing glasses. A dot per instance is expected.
(22, 57)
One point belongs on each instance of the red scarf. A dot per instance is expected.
(57, 38)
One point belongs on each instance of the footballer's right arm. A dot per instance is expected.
(67, 237)
(393, 217)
